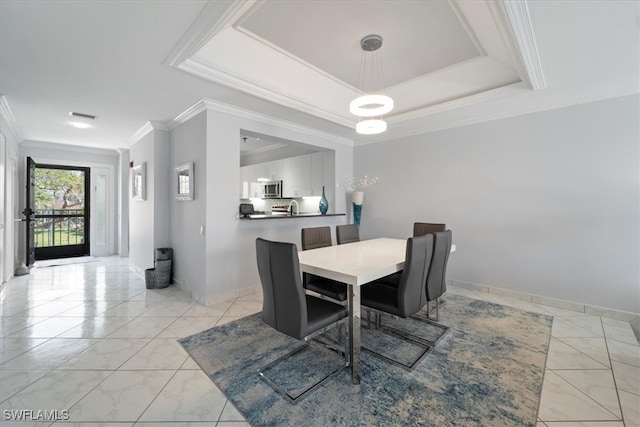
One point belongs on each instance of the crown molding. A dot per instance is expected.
(188, 114)
(220, 107)
(467, 28)
(140, 133)
(214, 17)
(146, 129)
(514, 24)
(553, 103)
(205, 71)
(159, 125)
(7, 115)
(68, 147)
(484, 95)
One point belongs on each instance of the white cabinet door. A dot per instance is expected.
(244, 182)
(297, 176)
(317, 173)
(273, 170)
(250, 187)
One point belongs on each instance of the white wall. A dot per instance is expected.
(141, 212)
(545, 204)
(8, 254)
(162, 176)
(149, 219)
(123, 205)
(230, 243)
(188, 144)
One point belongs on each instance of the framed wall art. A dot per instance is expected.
(184, 181)
(138, 182)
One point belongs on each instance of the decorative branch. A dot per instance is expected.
(353, 184)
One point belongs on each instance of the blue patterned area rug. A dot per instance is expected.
(486, 371)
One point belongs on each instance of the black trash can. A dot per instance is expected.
(160, 276)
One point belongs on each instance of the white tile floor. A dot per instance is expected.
(90, 339)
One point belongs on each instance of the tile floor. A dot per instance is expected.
(90, 339)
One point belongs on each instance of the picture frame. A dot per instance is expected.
(184, 183)
(138, 182)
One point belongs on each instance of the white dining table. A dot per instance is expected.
(356, 264)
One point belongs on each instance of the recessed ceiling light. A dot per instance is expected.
(80, 125)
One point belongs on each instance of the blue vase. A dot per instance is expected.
(324, 204)
(357, 212)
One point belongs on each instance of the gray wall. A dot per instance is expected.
(188, 144)
(230, 243)
(544, 204)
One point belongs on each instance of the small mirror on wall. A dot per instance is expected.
(138, 183)
(184, 181)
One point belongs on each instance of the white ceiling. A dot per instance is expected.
(447, 63)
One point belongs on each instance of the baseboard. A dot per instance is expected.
(233, 294)
(136, 270)
(183, 287)
(625, 316)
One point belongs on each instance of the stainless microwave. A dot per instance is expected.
(272, 190)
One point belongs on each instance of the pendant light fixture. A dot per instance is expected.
(371, 107)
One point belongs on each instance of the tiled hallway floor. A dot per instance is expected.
(90, 339)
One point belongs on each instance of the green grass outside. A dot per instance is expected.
(60, 238)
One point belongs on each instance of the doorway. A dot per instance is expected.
(58, 211)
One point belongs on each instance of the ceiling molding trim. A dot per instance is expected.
(299, 60)
(159, 125)
(467, 28)
(69, 147)
(140, 133)
(484, 95)
(146, 129)
(555, 103)
(214, 17)
(188, 114)
(267, 148)
(514, 24)
(207, 72)
(7, 115)
(263, 118)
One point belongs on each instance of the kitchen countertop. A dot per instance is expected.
(286, 216)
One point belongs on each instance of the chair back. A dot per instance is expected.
(422, 228)
(436, 284)
(284, 305)
(347, 234)
(316, 237)
(411, 290)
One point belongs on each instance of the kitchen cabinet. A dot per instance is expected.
(301, 175)
(296, 176)
(321, 172)
(249, 185)
(273, 170)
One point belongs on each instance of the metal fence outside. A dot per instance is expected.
(59, 227)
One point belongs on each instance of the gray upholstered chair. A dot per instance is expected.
(314, 238)
(422, 228)
(436, 284)
(285, 306)
(348, 233)
(287, 309)
(410, 294)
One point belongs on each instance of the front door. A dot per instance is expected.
(59, 201)
(29, 211)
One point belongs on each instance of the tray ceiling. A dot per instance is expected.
(306, 55)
